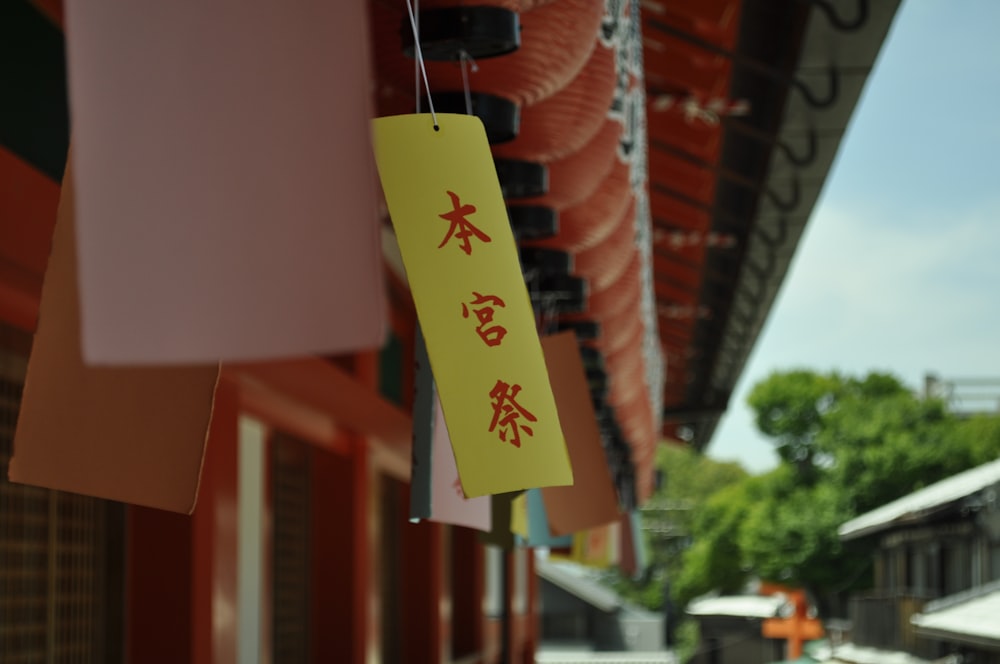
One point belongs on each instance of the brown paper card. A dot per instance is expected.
(592, 500)
(133, 435)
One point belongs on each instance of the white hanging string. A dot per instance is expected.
(420, 61)
(549, 312)
(465, 62)
(416, 62)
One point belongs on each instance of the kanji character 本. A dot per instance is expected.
(491, 335)
(507, 411)
(461, 228)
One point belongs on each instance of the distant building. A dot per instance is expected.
(937, 573)
(732, 629)
(580, 614)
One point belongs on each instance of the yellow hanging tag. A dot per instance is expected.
(597, 547)
(462, 264)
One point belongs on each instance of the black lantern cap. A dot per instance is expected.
(500, 116)
(521, 179)
(533, 222)
(481, 32)
(561, 292)
(536, 260)
(586, 330)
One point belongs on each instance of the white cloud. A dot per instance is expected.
(865, 293)
(901, 295)
(900, 268)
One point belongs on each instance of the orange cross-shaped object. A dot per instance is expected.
(797, 628)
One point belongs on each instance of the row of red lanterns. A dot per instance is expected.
(550, 104)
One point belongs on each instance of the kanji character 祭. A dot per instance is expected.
(461, 228)
(507, 411)
(482, 307)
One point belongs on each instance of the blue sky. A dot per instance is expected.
(899, 268)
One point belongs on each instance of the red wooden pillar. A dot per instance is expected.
(337, 620)
(158, 587)
(468, 569)
(214, 608)
(365, 531)
(532, 618)
(520, 606)
(512, 616)
(425, 636)
(181, 570)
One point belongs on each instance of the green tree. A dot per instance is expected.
(790, 408)
(689, 480)
(790, 536)
(888, 446)
(715, 560)
(980, 434)
(847, 445)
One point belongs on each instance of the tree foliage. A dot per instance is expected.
(790, 408)
(715, 560)
(847, 445)
(689, 480)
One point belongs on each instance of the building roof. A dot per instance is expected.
(559, 656)
(921, 504)
(577, 582)
(850, 653)
(739, 606)
(971, 617)
(733, 184)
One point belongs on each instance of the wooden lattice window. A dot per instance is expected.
(60, 558)
(291, 499)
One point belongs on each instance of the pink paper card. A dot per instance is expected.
(136, 435)
(435, 487)
(226, 201)
(448, 503)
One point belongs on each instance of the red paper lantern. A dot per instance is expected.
(563, 123)
(556, 40)
(592, 221)
(576, 176)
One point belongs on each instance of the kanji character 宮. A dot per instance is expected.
(491, 335)
(507, 411)
(461, 228)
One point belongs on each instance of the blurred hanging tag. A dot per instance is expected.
(628, 560)
(135, 435)
(592, 500)
(539, 527)
(227, 199)
(424, 396)
(639, 541)
(633, 546)
(597, 547)
(435, 488)
(448, 502)
(519, 516)
(462, 264)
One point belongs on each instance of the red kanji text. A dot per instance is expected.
(461, 228)
(507, 412)
(482, 307)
